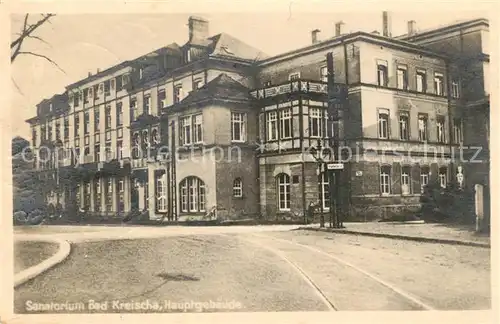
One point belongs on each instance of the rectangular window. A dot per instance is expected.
(58, 131)
(238, 127)
(108, 151)
(406, 180)
(97, 138)
(385, 180)
(457, 130)
(177, 94)
(294, 76)
(33, 136)
(315, 129)
(422, 127)
(133, 109)
(119, 149)
(107, 88)
(404, 129)
(197, 129)
(147, 104)
(383, 123)
(424, 178)
(86, 123)
(267, 84)
(119, 84)
(185, 130)
(382, 76)
(440, 129)
(109, 195)
(443, 177)
(438, 84)
(77, 125)
(119, 114)
(108, 117)
(86, 96)
(162, 98)
(96, 92)
(66, 127)
(49, 130)
(76, 99)
(323, 74)
(402, 78)
(455, 89)
(272, 126)
(96, 120)
(421, 81)
(286, 123)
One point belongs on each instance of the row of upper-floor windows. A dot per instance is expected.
(422, 123)
(109, 87)
(421, 80)
(402, 79)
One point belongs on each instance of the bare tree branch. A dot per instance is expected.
(27, 32)
(40, 39)
(17, 87)
(44, 57)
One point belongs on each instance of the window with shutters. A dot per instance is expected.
(421, 81)
(402, 77)
(438, 84)
(440, 129)
(404, 126)
(382, 73)
(422, 127)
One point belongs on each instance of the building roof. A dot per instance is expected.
(226, 45)
(456, 25)
(222, 87)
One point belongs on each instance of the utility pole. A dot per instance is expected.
(336, 93)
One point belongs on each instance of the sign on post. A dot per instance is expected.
(335, 166)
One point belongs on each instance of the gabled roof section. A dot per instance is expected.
(228, 46)
(222, 87)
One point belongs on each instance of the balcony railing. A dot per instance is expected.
(295, 86)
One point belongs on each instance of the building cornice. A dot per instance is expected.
(441, 31)
(350, 38)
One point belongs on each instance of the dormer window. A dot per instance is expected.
(50, 106)
(188, 56)
(141, 73)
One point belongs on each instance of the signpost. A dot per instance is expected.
(337, 95)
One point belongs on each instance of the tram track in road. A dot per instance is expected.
(402, 293)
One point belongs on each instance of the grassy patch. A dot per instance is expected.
(28, 254)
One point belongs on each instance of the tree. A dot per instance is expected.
(28, 30)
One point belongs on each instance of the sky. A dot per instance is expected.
(83, 43)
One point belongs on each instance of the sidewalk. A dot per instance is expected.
(434, 233)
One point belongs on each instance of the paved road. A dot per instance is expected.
(264, 271)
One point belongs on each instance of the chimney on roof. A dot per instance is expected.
(339, 26)
(198, 28)
(314, 36)
(98, 70)
(412, 27)
(90, 74)
(386, 24)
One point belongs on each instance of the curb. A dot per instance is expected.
(30, 273)
(401, 237)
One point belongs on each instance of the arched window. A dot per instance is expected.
(192, 195)
(324, 193)
(237, 188)
(283, 186)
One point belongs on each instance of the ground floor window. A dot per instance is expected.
(97, 194)
(406, 180)
(109, 195)
(324, 193)
(86, 194)
(161, 193)
(442, 177)
(385, 180)
(237, 188)
(424, 177)
(121, 195)
(192, 195)
(283, 184)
